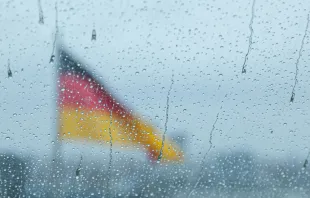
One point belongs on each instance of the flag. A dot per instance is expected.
(88, 111)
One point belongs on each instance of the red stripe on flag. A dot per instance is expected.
(82, 92)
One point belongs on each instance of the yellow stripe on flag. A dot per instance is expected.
(95, 126)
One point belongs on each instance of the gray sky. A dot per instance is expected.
(139, 44)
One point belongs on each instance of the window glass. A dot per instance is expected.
(154, 98)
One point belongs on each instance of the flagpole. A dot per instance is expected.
(56, 143)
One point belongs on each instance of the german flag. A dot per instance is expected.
(88, 111)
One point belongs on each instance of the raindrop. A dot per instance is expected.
(298, 59)
(78, 170)
(52, 59)
(167, 118)
(306, 160)
(93, 35)
(306, 163)
(56, 33)
(250, 39)
(41, 16)
(10, 74)
(292, 97)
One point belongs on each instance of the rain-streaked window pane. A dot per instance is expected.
(154, 98)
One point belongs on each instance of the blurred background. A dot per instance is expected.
(240, 133)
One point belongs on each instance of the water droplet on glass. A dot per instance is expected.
(292, 97)
(305, 164)
(9, 72)
(93, 35)
(52, 59)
